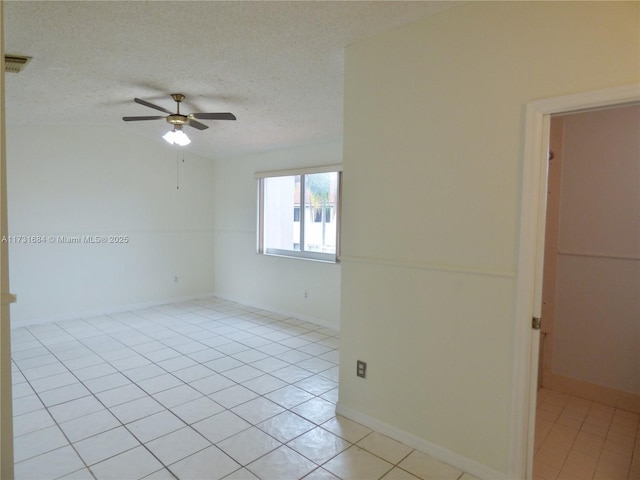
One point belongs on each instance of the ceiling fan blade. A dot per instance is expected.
(214, 116)
(198, 125)
(134, 119)
(151, 105)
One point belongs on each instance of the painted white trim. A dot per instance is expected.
(155, 303)
(6, 402)
(531, 256)
(461, 462)
(110, 311)
(304, 255)
(598, 255)
(270, 308)
(299, 171)
(422, 265)
(608, 97)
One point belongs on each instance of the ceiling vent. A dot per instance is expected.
(15, 63)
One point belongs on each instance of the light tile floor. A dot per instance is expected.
(207, 389)
(578, 439)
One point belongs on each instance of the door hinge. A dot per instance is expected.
(536, 323)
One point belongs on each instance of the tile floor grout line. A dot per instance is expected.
(178, 331)
(70, 443)
(99, 399)
(87, 466)
(220, 373)
(607, 426)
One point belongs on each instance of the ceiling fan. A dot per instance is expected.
(178, 120)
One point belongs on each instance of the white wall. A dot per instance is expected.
(70, 181)
(434, 141)
(275, 283)
(597, 327)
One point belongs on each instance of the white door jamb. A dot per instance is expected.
(531, 257)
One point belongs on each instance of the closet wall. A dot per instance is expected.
(591, 292)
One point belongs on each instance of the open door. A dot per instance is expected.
(531, 259)
(6, 410)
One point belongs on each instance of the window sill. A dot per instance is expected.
(295, 256)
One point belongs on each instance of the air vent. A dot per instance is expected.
(15, 63)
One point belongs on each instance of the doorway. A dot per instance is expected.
(587, 411)
(531, 255)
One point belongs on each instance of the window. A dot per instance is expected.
(299, 213)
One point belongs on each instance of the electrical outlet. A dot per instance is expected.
(306, 294)
(361, 369)
(175, 279)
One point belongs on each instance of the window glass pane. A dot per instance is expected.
(299, 215)
(281, 198)
(321, 195)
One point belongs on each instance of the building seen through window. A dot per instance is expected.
(299, 215)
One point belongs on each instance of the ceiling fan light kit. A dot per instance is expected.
(176, 135)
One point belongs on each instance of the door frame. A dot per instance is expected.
(533, 205)
(6, 411)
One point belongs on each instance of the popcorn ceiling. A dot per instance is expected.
(278, 66)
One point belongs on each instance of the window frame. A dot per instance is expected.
(337, 212)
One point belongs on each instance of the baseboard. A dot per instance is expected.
(154, 303)
(271, 308)
(590, 391)
(109, 311)
(442, 454)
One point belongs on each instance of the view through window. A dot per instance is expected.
(299, 215)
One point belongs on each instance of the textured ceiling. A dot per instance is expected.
(278, 66)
